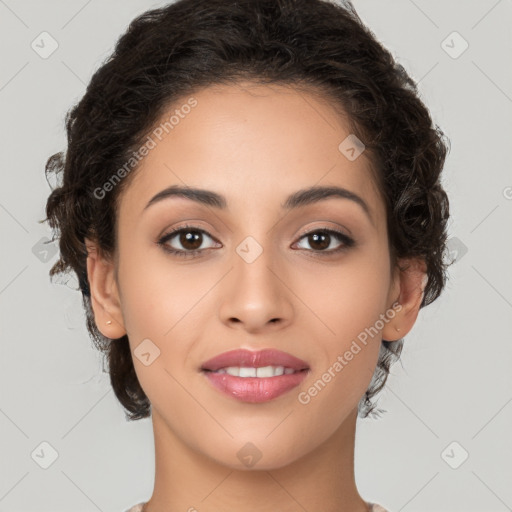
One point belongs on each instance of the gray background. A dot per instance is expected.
(454, 384)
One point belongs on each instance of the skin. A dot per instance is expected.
(255, 145)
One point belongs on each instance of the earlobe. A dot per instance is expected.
(412, 281)
(105, 299)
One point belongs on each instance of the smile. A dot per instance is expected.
(264, 371)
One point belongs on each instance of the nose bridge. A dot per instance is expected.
(254, 293)
(252, 274)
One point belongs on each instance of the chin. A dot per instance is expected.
(254, 456)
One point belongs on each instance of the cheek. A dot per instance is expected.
(346, 298)
(158, 304)
(156, 293)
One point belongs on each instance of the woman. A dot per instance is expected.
(251, 200)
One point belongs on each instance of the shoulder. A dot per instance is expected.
(136, 508)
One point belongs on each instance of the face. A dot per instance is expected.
(261, 271)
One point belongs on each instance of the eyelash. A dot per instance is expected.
(347, 242)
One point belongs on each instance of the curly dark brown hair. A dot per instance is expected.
(313, 45)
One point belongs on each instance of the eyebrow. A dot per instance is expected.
(298, 199)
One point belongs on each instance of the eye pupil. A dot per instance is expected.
(188, 236)
(317, 236)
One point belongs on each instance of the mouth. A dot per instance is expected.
(246, 361)
(255, 376)
(260, 372)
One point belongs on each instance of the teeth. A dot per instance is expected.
(265, 371)
(269, 371)
(245, 372)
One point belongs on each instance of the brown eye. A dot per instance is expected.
(320, 240)
(191, 240)
(188, 239)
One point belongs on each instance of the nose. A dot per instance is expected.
(255, 296)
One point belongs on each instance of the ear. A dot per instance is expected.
(104, 292)
(410, 281)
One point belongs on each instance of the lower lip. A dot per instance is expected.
(255, 389)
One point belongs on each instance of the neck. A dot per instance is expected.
(321, 481)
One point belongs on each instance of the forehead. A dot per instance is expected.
(253, 143)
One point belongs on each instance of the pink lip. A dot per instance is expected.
(250, 359)
(255, 389)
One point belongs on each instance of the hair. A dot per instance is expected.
(312, 45)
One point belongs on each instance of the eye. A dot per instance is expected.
(321, 239)
(190, 238)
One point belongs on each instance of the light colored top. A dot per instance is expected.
(136, 508)
(374, 507)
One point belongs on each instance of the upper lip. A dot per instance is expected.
(252, 359)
